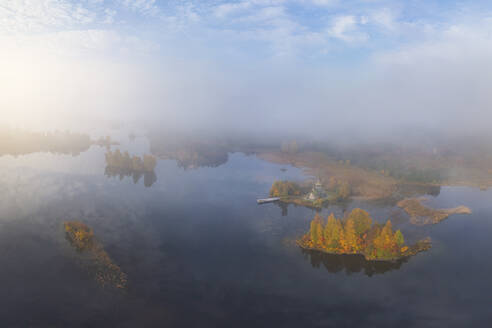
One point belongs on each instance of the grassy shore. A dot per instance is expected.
(363, 183)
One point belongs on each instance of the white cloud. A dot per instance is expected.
(237, 8)
(29, 16)
(321, 2)
(143, 6)
(109, 16)
(346, 28)
(384, 18)
(226, 9)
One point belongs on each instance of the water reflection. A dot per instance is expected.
(192, 151)
(190, 154)
(409, 190)
(350, 263)
(149, 177)
(284, 207)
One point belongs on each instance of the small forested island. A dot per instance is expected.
(123, 165)
(422, 215)
(81, 237)
(124, 161)
(316, 197)
(357, 234)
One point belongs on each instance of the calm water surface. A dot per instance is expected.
(199, 252)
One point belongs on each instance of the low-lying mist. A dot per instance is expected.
(415, 91)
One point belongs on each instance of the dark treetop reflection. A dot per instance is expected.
(334, 263)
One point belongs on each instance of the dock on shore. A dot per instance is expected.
(267, 200)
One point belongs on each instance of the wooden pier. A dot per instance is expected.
(267, 200)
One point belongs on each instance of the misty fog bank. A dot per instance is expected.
(436, 83)
(287, 99)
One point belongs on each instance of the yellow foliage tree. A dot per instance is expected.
(352, 244)
(332, 233)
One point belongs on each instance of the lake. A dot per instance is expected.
(199, 252)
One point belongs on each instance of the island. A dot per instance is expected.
(17, 142)
(423, 215)
(356, 233)
(315, 197)
(122, 165)
(81, 237)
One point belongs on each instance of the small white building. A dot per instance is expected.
(317, 192)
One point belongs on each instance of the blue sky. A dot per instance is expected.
(390, 62)
(309, 30)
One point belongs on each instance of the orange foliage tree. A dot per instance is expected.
(355, 234)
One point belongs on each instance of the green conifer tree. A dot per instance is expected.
(399, 238)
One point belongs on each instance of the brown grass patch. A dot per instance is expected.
(423, 215)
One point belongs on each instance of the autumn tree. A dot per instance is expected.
(332, 233)
(357, 235)
(343, 191)
(284, 189)
(362, 220)
(351, 242)
(385, 244)
(317, 230)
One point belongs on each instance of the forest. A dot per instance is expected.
(356, 233)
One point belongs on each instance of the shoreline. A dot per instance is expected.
(420, 246)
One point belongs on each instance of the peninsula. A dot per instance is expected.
(423, 215)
